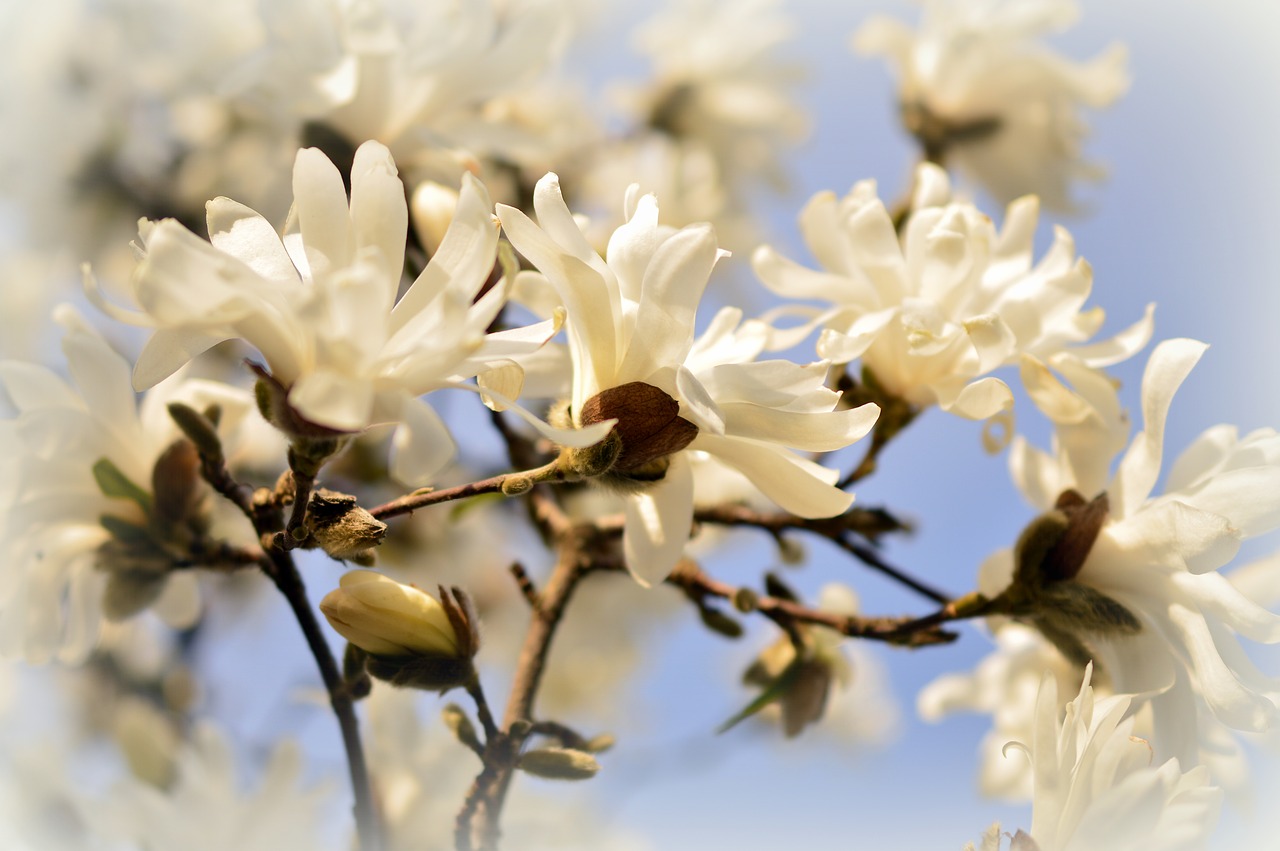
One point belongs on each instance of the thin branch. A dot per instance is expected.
(834, 529)
(264, 512)
(478, 822)
(527, 589)
(482, 709)
(905, 631)
(502, 483)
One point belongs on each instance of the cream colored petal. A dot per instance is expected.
(659, 520)
(1168, 367)
(797, 485)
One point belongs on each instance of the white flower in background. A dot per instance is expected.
(61, 565)
(932, 312)
(981, 93)
(320, 304)
(418, 77)
(1003, 685)
(713, 120)
(206, 810)
(1159, 556)
(630, 328)
(718, 83)
(1096, 786)
(840, 688)
(422, 774)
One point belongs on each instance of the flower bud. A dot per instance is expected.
(649, 429)
(559, 764)
(385, 618)
(342, 528)
(413, 640)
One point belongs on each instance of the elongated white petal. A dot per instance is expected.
(809, 432)
(379, 213)
(422, 444)
(1168, 367)
(659, 520)
(250, 238)
(320, 200)
(334, 400)
(797, 485)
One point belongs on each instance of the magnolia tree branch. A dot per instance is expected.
(478, 822)
(264, 512)
(905, 631)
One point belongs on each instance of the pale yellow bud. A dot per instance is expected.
(433, 206)
(385, 618)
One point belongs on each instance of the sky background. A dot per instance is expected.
(1188, 218)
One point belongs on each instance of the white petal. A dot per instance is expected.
(379, 213)
(464, 260)
(797, 485)
(422, 445)
(166, 351)
(976, 400)
(1168, 367)
(658, 523)
(320, 200)
(250, 238)
(332, 399)
(808, 432)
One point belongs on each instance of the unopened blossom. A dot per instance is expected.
(387, 618)
(981, 92)
(320, 304)
(630, 330)
(99, 498)
(931, 312)
(1096, 785)
(1158, 556)
(409, 637)
(206, 808)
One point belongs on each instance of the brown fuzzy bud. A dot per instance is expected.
(649, 423)
(342, 528)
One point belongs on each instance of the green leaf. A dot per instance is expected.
(116, 485)
(772, 692)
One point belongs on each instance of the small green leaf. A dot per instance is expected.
(116, 485)
(772, 692)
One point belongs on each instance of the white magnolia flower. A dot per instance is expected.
(1096, 787)
(1003, 685)
(720, 84)
(206, 810)
(57, 577)
(932, 312)
(320, 304)
(980, 92)
(1159, 557)
(711, 122)
(630, 328)
(421, 78)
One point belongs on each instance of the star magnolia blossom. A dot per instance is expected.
(206, 810)
(1095, 786)
(1159, 556)
(631, 319)
(978, 91)
(931, 313)
(416, 77)
(51, 588)
(320, 304)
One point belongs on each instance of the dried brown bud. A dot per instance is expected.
(341, 527)
(176, 485)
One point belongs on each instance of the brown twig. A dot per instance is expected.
(904, 631)
(835, 529)
(502, 483)
(268, 520)
(478, 822)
